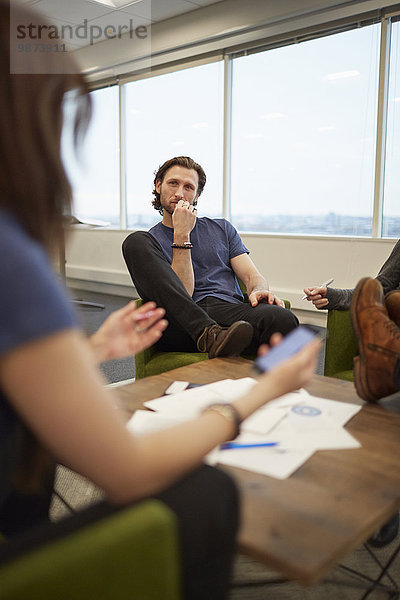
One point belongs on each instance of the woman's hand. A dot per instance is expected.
(127, 331)
(293, 373)
(289, 375)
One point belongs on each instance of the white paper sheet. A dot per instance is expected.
(188, 404)
(176, 387)
(146, 421)
(340, 412)
(312, 425)
(267, 461)
(266, 418)
(299, 420)
(299, 423)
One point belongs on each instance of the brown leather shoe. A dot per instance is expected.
(379, 342)
(225, 341)
(392, 303)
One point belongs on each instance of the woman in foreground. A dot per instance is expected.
(53, 403)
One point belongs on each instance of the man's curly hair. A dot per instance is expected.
(180, 161)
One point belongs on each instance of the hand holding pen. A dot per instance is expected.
(317, 295)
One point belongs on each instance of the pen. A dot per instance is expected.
(325, 284)
(233, 445)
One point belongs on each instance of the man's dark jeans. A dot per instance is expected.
(155, 280)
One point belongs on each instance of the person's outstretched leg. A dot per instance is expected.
(377, 369)
(392, 303)
(155, 280)
(23, 510)
(190, 328)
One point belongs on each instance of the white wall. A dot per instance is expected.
(288, 262)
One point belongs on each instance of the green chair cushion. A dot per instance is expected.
(346, 375)
(341, 345)
(165, 361)
(130, 554)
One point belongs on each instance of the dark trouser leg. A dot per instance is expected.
(266, 319)
(22, 511)
(155, 280)
(206, 505)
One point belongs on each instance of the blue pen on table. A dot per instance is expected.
(234, 445)
(325, 284)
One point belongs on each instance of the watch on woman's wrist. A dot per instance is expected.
(229, 412)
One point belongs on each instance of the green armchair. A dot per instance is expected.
(132, 553)
(341, 345)
(153, 361)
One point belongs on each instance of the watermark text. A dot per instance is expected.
(83, 31)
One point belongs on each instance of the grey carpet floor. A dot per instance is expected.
(337, 586)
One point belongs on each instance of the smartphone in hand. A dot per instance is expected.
(292, 343)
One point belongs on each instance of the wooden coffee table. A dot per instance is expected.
(304, 525)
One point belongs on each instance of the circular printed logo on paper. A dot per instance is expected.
(306, 411)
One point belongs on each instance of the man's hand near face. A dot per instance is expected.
(183, 221)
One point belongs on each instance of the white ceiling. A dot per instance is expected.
(144, 12)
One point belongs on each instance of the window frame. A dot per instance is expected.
(382, 17)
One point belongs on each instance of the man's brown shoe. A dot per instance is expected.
(379, 342)
(225, 341)
(392, 303)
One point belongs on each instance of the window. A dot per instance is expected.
(391, 206)
(303, 139)
(179, 113)
(303, 136)
(94, 172)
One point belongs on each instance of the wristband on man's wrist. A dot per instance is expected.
(184, 246)
(229, 412)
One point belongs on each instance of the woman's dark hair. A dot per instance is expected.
(33, 183)
(180, 161)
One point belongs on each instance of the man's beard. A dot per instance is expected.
(168, 209)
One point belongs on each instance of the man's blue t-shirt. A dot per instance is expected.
(32, 306)
(215, 243)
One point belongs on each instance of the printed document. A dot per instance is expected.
(296, 424)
